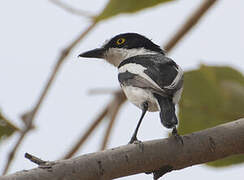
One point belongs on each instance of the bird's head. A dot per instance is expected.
(122, 47)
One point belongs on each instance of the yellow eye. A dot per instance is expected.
(120, 41)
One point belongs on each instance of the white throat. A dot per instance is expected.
(116, 55)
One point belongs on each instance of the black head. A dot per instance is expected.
(132, 41)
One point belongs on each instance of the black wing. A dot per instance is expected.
(158, 68)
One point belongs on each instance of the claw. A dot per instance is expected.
(137, 142)
(177, 136)
(133, 140)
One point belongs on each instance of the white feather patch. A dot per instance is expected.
(138, 96)
(177, 78)
(116, 55)
(139, 70)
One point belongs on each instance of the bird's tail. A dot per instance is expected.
(167, 112)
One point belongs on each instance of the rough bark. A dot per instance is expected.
(199, 147)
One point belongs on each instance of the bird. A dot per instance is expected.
(149, 79)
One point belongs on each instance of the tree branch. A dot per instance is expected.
(119, 95)
(114, 110)
(29, 117)
(189, 23)
(199, 147)
(86, 134)
(70, 9)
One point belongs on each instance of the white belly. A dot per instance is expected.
(138, 96)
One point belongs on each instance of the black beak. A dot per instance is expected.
(95, 53)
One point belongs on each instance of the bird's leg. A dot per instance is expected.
(144, 110)
(176, 135)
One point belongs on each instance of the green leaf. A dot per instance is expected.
(235, 159)
(115, 7)
(6, 128)
(212, 95)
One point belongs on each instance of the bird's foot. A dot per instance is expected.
(177, 136)
(134, 140)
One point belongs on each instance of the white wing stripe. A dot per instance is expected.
(177, 78)
(139, 70)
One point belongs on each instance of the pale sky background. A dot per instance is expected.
(32, 33)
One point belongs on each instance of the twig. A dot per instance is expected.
(188, 25)
(41, 164)
(199, 147)
(71, 10)
(102, 91)
(120, 99)
(92, 127)
(30, 116)
(35, 159)
(85, 136)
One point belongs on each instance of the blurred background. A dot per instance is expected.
(34, 33)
